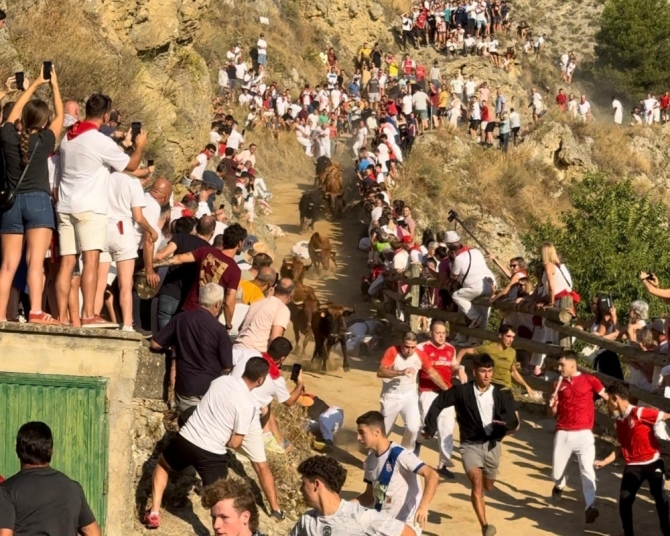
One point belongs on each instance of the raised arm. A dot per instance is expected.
(57, 123)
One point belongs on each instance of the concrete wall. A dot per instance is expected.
(86, 352)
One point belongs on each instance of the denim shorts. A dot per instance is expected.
(31, 210)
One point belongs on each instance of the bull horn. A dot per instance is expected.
(351, 310)
(317, 250)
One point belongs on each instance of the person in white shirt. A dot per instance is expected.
(584, 109)
(274, 387)
(618, 111)
(476, 279)
(457, 85)
(407, 104)
(303, 135)
(126, 201)
(322, 480)
(248, 155)
(241, 69)
(399, 396)
(420, 102)
(87, 156)
(220, 422)
(234, 138)
(361, 136)
(233, 53)
(199, 163)
(393, 475)
(262, 49)
(470, 88)
(649, 105)
(223, 81)
(536, 103)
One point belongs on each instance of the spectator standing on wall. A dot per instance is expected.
(39, 499)
(86, 158)
(31, 215)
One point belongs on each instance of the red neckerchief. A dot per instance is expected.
(205, 153)
(464, 249)
(80, 127)
(274, 372)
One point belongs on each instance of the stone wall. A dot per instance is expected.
(93, 353)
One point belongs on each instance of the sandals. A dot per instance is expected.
(42, 318)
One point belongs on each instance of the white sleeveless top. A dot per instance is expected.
(562, 280)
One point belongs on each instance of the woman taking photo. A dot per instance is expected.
(29, 131)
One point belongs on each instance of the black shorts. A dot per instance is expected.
(181, 453)
(474, 124)
(490, 126)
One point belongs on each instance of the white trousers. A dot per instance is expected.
(463, 299)
(330, 422)
(408, 408)
(581, 443)
(445, 426)
(307, 144)
(357, 147)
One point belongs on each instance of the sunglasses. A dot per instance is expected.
(513, 265)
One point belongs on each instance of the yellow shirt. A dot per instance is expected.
(503, 361)
(364, 53)
(442, 99)
(393, 69)
(251, 292)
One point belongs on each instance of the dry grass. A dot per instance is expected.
(292, 41)
(283, 466)
(440, 176)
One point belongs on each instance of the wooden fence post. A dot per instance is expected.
(415, 292)
(565, 341)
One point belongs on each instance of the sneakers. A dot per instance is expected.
(42, 318)
(591, 514)
(97, 322)
(278, 515)
(446, 473)
(489, 530)
(152, 520)
(556, 494)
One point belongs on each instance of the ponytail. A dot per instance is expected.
(23, 146)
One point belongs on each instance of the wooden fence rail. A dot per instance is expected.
(554, 318)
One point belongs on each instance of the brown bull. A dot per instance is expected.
(303, 307)
(320, 252)
(330, 328)
(294, 268)
(330, 183)
(332, 170)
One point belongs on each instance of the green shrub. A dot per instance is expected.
(608, 236)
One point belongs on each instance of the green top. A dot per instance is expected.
(503, 360)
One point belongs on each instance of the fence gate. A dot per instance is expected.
(75, 409)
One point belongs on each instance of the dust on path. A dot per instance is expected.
(520, 502)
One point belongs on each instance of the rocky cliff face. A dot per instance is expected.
(137, 51)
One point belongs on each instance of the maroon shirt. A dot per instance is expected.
(213, 267)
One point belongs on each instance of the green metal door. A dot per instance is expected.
(75, 409)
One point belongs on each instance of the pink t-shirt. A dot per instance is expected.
(257, 324)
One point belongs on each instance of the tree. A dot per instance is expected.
(609, 236)
(633, 44)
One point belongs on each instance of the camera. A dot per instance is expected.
(604, 303)
(453, 215)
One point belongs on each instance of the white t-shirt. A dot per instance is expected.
(456, 85)
(270, 389)
(565, 58)
(401, 260)
(152, 213)
(214, 137)
(407, 104)
(420, 100)
(351, 519)
(125, 192)
(401, 498)
(262, 46)
(584, 108)
(478, 268)
(240, 70)
(223, 78)
(485, 405)
(470, 88)
(649, 105)
(234, 140)
(85, 164)
(226, 409)
(200, 168)
(219, 227)
(476, 111)
(618, 111)
(402, 386)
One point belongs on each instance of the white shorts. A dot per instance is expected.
(121, 247)
(252, 444)
(86, 231)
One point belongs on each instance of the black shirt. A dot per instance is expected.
(232, 73)
(43, 501)
(37, 176)
(203, 350)
(179, 279)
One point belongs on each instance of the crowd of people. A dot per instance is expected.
(97, 241)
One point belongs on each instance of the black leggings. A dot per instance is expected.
(633, 478)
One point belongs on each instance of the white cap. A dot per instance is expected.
(452, 237)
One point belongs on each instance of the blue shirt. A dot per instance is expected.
(354, 89)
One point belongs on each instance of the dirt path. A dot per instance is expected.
(520, 501)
